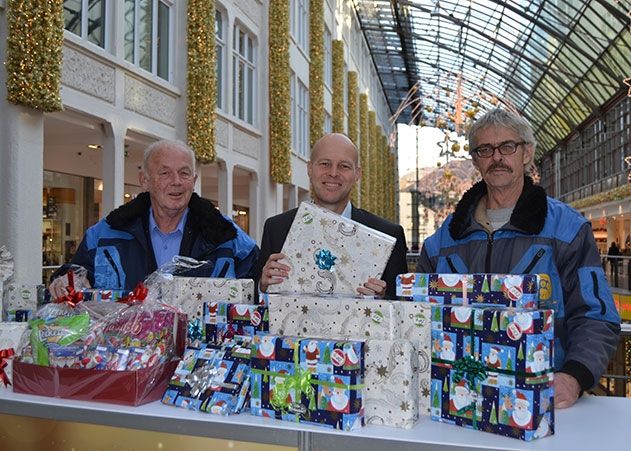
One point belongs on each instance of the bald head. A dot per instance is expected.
(336, 142)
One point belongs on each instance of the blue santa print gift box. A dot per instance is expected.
(223, 321)
(213, 379)
(492, 369)
(510, 290)
(309, 381)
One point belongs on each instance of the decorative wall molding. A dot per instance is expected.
(148, 101)
(88, 75)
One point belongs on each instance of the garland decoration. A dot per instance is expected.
(619, 193)
(279, 95)
(338, 86)
(372, 153)
(34, 53)
(201, 79)
(316, 70)
(364, 149)
(352, 106)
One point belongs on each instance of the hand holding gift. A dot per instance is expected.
(274, 272)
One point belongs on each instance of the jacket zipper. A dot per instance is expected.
(110, 260)
(603, 308)
(489, 252)
(534, 261)
(451, 265)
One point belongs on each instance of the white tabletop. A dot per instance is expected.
(593, 423)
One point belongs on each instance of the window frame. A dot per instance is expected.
(237, 60)
(83, 34)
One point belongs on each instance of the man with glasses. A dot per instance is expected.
(505, 224)
(167, 219)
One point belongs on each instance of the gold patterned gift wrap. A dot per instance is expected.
(332, 317)
(330, 254)
(391, 383)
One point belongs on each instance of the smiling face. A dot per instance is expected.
(169, 177)
(501, 171)
(333, 170)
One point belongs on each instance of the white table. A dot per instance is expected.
(593, 423)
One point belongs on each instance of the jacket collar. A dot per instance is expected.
(529, 214)
(202, 217)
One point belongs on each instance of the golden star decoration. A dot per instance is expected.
(367, 312)
(344, 260)
(382, 371)
(405, 406)
(479, 298)
(304, 309)
(433, 284)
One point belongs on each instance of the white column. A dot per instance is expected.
(224, 187)
(255, 214)
(21, 178)
(113, 153)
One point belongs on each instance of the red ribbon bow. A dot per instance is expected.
(5, 354)
(138, 295)
(73, 297)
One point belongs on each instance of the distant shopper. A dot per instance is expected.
(166, 220)
(506, 224)
(614, 257)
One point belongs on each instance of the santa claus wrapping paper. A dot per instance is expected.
(313, 381)
(492, 369)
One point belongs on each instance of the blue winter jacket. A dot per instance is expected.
(542, 236)
(117, 251)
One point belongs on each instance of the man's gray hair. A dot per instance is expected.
(499, 117)
(166, 143)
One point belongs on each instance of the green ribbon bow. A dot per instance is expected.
(300, 381)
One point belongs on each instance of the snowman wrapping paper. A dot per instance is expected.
(510, 290)
(492, 369)
(330, 254)
(211, 378)
(332, 317)
(223, 321)
(311, 381)
(190, 293)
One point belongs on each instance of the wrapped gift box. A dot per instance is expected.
(13, 336)
(332, 317)
(222, 321)
(213, 379)
(190, 293)
(21, 301)
(97, 295)
(521, 291)
(492, 369)
(391, 393)
(415, 326)
(329, 254)
(310, 381)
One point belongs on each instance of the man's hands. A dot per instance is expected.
(274, 272)
(374, 287)
(566, 390)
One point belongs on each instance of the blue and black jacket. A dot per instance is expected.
(117, 251)
(543, 235)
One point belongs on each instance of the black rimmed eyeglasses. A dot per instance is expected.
(505, 148)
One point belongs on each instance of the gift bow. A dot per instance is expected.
(203, 378)
(73, 297)
(5, 355)
(470, 369)
(138, 295)
(300, 381)
(324, 259)
(195, 330)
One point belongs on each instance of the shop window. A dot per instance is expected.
(241, 217)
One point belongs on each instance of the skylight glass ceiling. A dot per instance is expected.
(554, 61)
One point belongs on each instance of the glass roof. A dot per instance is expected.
(444, 62)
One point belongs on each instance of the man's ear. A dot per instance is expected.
(142, 178)
(358, 174)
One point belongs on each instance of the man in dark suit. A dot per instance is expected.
(333, 171)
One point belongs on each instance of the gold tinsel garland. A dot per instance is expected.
(201, 79)
(279, 95)
(377, 170)
(352, 106)
(364, 149)
(316, 70)
(338, 86)
(372, 147)
(393, 186)
(352, 120)
(619, 193)
(34, 53)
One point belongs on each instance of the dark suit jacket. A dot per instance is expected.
(277, 227)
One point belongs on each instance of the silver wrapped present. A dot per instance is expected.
(329, 254)
(332, 317)
(13, 336)
(391, 383)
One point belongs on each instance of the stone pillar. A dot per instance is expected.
(224, 187)
(113, 153)
(255, 213)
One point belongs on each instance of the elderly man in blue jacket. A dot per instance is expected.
(167, 219)
(506, 224)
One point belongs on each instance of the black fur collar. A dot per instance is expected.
(529, 214)
(202, 217)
